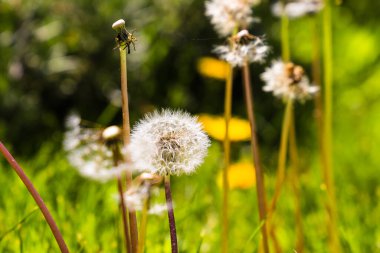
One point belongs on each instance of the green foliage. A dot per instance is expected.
(58, 56)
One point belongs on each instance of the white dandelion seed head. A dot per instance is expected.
(237, 54)
(227, 15)
(297, 8)
(287, 81)
(168, 143)
(88, 153)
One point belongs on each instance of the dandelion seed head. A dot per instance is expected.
(241, 50)
(288, 81)
(89, 153)
(298, 8)
(168, 143)
(227, 15)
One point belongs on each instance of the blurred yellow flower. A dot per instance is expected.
(240, 176)
(214, 68)
(239, 129)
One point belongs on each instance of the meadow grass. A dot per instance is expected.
(87, 212)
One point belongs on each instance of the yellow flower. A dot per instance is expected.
(214, 68)
(240, 176)
(239, 129)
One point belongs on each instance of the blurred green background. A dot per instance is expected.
(57, 57)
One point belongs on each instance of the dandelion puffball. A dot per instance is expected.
(168, 143)
(288, 81)
(88, 150)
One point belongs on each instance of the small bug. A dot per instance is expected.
(123, 37)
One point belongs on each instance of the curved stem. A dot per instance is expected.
(169, 204)
(260, 186)
(37, 198)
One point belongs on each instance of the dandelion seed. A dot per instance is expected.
(243, 47)
(288, 81)
(298, 8)
(168, 143)
(89, 150)
(227, 15)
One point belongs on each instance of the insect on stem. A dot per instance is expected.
(124, 39)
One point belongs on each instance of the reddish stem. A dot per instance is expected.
(49, 219)
(172, 227)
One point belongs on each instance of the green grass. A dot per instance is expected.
(87, 213)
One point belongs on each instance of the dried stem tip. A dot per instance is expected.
(118, 24)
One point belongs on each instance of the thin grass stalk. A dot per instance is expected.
(227, 154)
(169, 204)
(144, 222)
(327, 129)
(285, 47)
(260, 186)
(37, 198)
(295, 183)
(286, 123)
(280, 177)
(316, 77)
(126, 139)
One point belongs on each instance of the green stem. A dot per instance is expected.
(260, 186)
(282, 155)
(327, 128)
(294, 179)
(37, 198)
(285, 46)
(144, 222)
(227, 151)
(126, 138)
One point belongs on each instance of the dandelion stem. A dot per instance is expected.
(126, 138)
(327, 129)
(285, 47)
(285, 44)
(282, 155)
(116, 159)
(144, 222)
(124, 215)
(169, 204)
(227, 151)
(294, 180)
(37, 198)
(260, 186)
